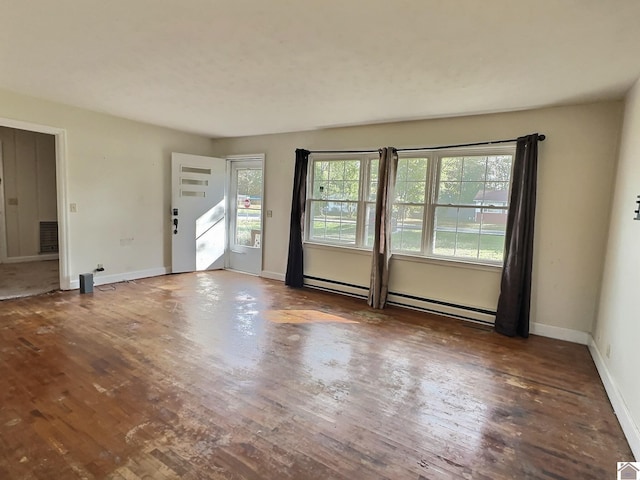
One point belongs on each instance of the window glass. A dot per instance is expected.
(333, 209)
(406, 228)
(407, 218)
(476, 233)
(248, 222)
(445, 204)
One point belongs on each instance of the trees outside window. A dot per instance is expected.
(447, 204)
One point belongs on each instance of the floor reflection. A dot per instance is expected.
(304, 316)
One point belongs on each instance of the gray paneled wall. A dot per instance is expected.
(29, 181)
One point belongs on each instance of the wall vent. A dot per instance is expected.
(48, 237)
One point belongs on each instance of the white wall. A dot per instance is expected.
(617, 330)
(576, 168)
(29, 162)
(119, 177)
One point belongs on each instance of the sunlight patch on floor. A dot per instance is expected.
(303, 316)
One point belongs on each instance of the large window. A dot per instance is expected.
(447, 204)
(470, 207)
(335, 200)
(341, 200)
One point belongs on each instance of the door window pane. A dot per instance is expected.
(248, 222)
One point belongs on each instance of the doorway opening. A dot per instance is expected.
(29, 246)
(32, 196)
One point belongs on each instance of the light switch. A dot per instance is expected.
(73, 208)
(269, 213)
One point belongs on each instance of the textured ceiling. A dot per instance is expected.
(244, 67)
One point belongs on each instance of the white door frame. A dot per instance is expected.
(256, 157)
(60, 135)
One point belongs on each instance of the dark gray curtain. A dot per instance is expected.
(295, 267)
(512, 317)
(379, 286)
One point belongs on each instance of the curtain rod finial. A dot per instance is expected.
(542, 137)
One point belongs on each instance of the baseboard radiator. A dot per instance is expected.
(413, 302)
(48, 237)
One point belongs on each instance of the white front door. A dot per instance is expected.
(245, 216)
(198, 223)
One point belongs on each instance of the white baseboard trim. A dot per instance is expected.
(272, 275)
(559, 333)
(629, 427)
(122, 277)
(32, 258)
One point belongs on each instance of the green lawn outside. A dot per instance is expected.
(491, 247)
(470, 245)
(244, 225)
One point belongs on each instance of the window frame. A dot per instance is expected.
(361, 201)
(488, 151)
(425, 205)
(430, 205)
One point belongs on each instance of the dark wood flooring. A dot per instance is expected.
(218, 375)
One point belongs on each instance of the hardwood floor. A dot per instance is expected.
(221, 375)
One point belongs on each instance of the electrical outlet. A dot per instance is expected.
(73, 207)
(269, 213)
(100, 266)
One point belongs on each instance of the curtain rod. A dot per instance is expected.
(541, 138)
(344, 151)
